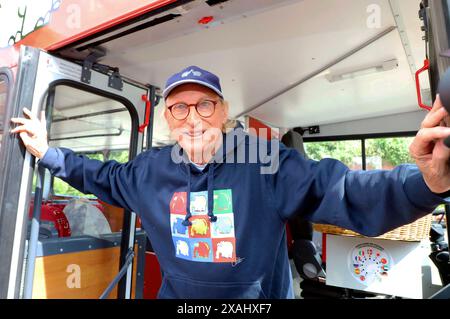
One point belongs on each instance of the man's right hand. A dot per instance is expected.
(33, 133)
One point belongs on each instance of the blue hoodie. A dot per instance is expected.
(220, 232)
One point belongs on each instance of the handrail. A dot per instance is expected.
(426, 66)
(81, 116)
(121, 130)
(122, 272)
(34, 235)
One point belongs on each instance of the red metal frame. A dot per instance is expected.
(426, 66)
(94, 17)
(148, 106)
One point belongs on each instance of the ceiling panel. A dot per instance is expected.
(258, 52)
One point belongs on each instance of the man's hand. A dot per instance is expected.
(33, 133)
(430, 153)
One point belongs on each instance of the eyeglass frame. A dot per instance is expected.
(195, 105)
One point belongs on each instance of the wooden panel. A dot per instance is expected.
(114, 215)
(56, 276)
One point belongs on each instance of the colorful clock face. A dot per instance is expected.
(369, 263)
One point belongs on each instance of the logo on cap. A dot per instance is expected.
(194, 73)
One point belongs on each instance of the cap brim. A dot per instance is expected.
(169, 89)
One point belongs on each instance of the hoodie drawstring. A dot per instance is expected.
(210, 187)
(186, 222)
(211, 194)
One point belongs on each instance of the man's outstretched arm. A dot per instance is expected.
(110, 181)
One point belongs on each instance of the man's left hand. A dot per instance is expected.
(429, 151)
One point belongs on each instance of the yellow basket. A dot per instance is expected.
(416, 231)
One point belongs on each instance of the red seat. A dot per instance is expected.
(54, 213)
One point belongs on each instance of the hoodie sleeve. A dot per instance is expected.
(110, 181)
(368, 202)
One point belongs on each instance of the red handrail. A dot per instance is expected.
(426, 66)
(147, 113)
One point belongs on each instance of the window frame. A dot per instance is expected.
(362, 138)
(48, 104)
(134, 118)
(7, 75)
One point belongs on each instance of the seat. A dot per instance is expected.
(54, 222)
(301, 247)
(85, 218)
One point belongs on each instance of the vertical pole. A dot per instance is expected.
(34, 235)
(35, 222)
(447, 215)
(129, 221)
(363, 154)
(128, 231)
(129, 276)
(153, 102)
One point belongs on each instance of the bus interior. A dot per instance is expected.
(338, 72)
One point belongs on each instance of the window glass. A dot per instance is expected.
(446, 5)
(99, 128)
(348, 152)
(386, 153)
(85, 230)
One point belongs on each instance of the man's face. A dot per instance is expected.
(198, 136)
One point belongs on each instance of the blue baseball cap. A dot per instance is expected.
(193, 74)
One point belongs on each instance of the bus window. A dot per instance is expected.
(99, 128)
(348, 152)
(386, 153)
(380, 153)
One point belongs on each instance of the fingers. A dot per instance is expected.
(26, 139)
(43, 119)
(20, 120)
(437, 104)
(23, 121)
(427, 136)
(436, 115)
(441, 152)
(22, 128)
(30, 121)
(28, 113)
(434, 119)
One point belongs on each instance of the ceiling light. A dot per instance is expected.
(361, 71)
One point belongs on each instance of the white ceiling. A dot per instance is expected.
(261, 47)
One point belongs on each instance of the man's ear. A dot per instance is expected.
(166, 114)
(225, 111)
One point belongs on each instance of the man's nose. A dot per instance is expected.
(193, 118)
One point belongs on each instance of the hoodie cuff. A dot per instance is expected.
(420, 194)
(52, 159)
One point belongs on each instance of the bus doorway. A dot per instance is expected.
(99, 114)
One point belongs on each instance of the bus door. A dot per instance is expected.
(95, 111)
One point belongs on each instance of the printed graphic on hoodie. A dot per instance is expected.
(203, 241)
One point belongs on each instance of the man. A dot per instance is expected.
(218, 225)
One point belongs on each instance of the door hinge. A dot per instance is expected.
(88, 63)
(115, 80)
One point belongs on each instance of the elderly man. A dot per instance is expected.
(216, 224)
